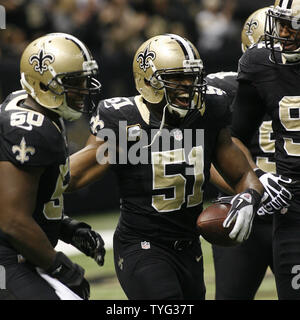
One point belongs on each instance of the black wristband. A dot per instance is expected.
(63, 269)
(258, 172)
(68, 227)
(257, 196)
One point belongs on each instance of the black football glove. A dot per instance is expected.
(90, 243)
(81, 236)
(243, 208)
(70, 274)
(277, 197)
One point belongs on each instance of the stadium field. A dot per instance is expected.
(103, 281)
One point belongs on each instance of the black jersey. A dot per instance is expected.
(278, 90)
(225, 81)
(30, 139)
(262, 144)
(161, 192)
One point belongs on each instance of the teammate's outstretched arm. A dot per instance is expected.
(85, 168)
(230, 161)
(219, 182)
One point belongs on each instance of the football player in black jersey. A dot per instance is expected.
(268, 78)
(57, 73)
(161, 144)
(240, 269)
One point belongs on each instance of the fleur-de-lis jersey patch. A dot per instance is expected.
(120, 263)
(22, 151)
(96, 124)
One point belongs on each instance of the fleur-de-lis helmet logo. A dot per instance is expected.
(40, 61)
(144, 57)
(250, 26)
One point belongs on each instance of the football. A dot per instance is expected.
(210, 225)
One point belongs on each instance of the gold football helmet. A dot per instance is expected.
(285, 13)
(55, 66)
(254, 28)
(159, 61)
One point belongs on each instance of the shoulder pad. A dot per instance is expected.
(20, 94)
(211, 90)
(109, 112)
(217, 106)
(255, 64)
(221, 75)
(30, 138)
(226, 81)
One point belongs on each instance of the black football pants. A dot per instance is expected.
(240, 269)
(22, 282)
(286, 246)
(159, 272)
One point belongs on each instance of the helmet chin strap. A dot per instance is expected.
(162, 123)
(63, 110)
(182, 113)
(163, 119)
(25, 84)
(292, 57)
(66, 112)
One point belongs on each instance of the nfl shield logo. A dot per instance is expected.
(145, 245)
(247, 197)
(134, 132)
(178, 135)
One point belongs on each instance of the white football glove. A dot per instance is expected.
(243, 209)
(277, 197)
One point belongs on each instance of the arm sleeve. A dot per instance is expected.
(248, 112)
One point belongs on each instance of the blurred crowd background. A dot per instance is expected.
(113, 30)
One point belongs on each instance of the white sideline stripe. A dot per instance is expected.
(107, 236)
